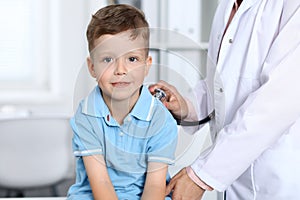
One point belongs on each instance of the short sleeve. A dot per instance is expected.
(85, 140)
(162, 145)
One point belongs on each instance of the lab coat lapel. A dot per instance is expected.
(246, 4)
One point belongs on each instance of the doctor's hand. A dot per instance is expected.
(183, 188)
(174, 102)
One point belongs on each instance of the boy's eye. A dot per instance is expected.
(133, 59)
(107, 60)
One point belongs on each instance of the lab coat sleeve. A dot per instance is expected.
(266, 114)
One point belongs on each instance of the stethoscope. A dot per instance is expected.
(160, 94)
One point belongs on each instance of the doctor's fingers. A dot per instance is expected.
(184, 188)
(173, 101)
(172, 183)
(188, 192)
(176, 108)
(169, 89)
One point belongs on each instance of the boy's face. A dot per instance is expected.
(119, 65)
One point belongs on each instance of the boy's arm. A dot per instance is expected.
(155, 186)
(100, 182)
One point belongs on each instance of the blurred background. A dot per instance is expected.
(43, 76)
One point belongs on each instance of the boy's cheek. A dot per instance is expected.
(101, 70)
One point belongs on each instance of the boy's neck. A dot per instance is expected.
(120, 109)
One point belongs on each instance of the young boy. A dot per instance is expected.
(124, 138)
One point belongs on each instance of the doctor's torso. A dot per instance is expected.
(236, 70)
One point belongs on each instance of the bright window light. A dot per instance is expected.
(16, 28)
(24, 49)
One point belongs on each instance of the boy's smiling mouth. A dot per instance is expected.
(120, 84)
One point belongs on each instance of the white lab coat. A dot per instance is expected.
(254, 88)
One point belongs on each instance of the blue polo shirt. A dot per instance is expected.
(148, 134)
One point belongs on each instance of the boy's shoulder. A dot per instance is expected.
(156, 111)
(93, 105)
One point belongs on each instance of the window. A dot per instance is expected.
(25, 41)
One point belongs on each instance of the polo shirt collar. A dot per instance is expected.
(143, 109)
(94, 105)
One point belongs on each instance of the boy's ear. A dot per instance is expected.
(148, 64)
(91, 67)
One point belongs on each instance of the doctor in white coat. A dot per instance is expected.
(253, 84)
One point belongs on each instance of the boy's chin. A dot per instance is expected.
(123, 95)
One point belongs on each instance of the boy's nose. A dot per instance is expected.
(120, 68)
